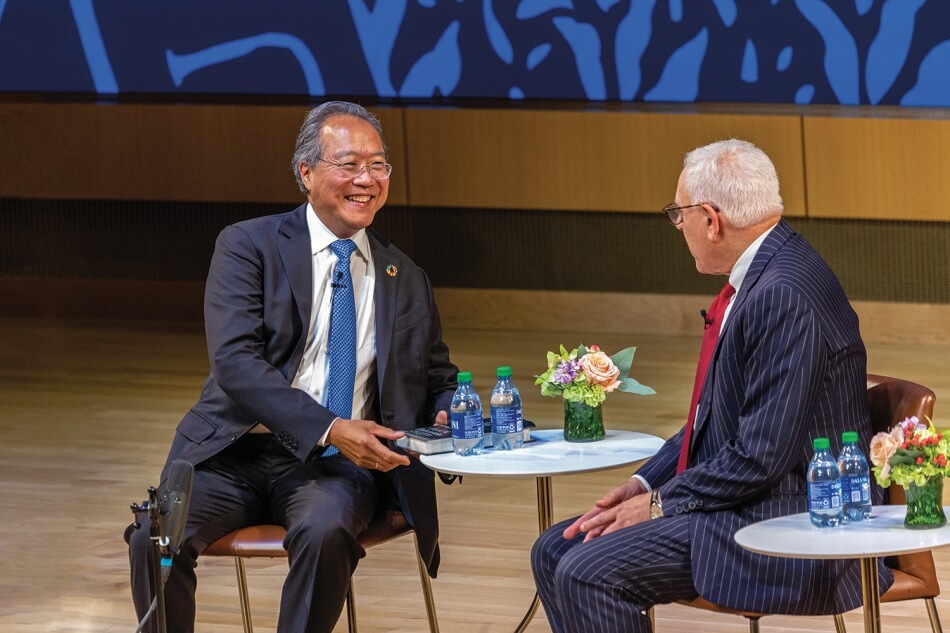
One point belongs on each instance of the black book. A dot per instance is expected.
(429, 440)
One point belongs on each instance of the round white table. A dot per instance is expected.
(884, 534)
(545, 456)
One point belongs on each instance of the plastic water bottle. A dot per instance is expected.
(468, 429)
(507, 423)
(855, 482)
(824, 486)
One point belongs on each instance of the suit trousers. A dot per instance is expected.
(324, 504)
(609, 583)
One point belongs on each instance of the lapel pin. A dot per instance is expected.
(391, 270)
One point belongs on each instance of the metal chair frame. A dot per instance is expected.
(266, 541)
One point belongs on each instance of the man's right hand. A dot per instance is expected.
(613, 498)
(358, 440)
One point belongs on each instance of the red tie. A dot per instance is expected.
(713, 324)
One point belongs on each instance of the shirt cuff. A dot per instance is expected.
(643, 481)
(323, 438)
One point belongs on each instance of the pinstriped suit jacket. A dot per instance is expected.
(789, 366)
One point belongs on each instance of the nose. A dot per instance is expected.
(364, 177)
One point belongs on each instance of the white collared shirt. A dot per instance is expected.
(740, 268)
(312, 374)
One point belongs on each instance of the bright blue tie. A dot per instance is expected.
(341, 342)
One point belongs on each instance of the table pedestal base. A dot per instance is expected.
(871, 593)
(545, 520)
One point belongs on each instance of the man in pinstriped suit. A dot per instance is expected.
(789, 366)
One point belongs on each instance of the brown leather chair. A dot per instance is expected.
(890, 400)
(267, 541)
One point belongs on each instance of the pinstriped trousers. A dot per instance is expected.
(609, 583)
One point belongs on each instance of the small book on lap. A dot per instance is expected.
(429, 440)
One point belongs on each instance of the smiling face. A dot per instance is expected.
(346, 205)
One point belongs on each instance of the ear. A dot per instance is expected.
(714, 224)
(306, 174)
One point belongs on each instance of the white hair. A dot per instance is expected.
(737, 178)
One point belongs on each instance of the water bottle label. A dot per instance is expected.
(506, 420)
(824, 495)
(467, 425)
(856, 489)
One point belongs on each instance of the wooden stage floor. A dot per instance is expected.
(87, 412)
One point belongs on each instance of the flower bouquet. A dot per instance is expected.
(914, 456)
(583, 377)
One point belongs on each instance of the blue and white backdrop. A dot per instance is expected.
(876, 52)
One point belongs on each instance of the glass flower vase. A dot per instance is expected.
(583, 423)
(925, 504)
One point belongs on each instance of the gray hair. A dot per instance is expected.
(309, 147)
(737, 178)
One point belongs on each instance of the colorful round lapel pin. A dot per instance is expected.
(391, 270)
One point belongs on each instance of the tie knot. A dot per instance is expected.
(343, 249)
(727, 291)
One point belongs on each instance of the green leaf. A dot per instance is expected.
(630, 385)
(581, 351)
(623, 360)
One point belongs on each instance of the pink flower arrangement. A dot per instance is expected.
(912, 452)
(588, 374)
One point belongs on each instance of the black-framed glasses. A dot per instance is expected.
(377, 170)
(674, 212)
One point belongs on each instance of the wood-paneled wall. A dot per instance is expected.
(845, 164)
(579, 161)
(880, 168)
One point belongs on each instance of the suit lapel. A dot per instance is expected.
(296, 256)
(385, 297)
(779, 235)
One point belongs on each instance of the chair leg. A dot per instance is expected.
(431, 615)
(243, 594)
(839, 624)
(753, 625)
(934, 617)
(350, 609)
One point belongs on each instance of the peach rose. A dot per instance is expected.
(600, 370)
(883, 447)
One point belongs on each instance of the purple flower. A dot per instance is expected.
(566, 372)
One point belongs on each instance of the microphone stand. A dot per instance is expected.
(158, 543)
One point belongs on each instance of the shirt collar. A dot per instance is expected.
(741, 267)
(321, 237)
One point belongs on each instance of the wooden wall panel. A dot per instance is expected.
(878, 168)
(578, 160)
(842, 164)
(161, 152)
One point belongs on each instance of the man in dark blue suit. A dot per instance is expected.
(789, 365)
(265, 444)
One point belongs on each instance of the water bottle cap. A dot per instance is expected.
(465, 376)
(503, 372)
(821, 443)
(849, 437)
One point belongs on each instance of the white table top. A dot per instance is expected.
(884, 534)
(548, 454)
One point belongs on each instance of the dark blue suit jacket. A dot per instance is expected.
(789, 366)
(257, 313)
